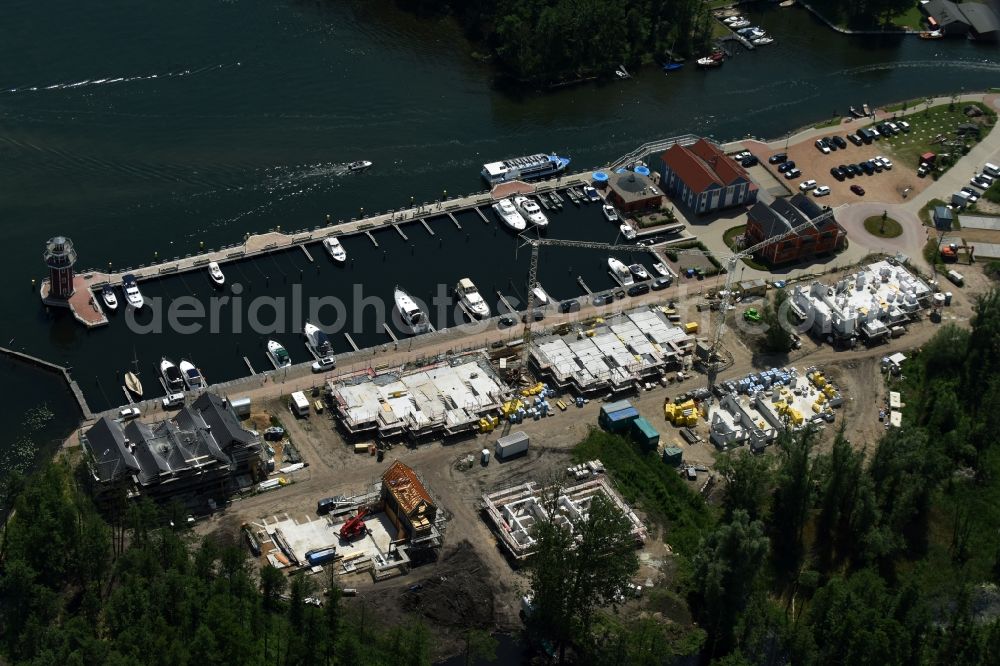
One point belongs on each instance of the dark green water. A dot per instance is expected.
(142, 128)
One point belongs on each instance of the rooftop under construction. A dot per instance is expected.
(515, 510)
(442, 399)
(616, 353)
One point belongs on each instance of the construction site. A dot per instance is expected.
(867, 304)
(614, 354)
(514, 511)
(378, 532)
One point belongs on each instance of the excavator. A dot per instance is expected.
(949, 252)
(354, 527)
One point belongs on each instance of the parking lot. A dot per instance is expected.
(887, 186)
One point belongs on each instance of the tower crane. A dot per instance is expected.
(731, 261)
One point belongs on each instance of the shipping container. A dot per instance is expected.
(512, 445)
(241, 406)
(299, 404)
(618, 421)
(673, 456)
(645, 434)
(320, 556)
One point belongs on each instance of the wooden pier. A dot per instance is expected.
(455, 220)
(506, 303)
(350, 340)
(389, 331)
(400, 230)
(247, 361)
(583, 284)
(482, 215)
(371, 238)
(305, 250)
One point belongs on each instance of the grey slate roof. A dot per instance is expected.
(981, 18)
(111, 454)
(785, 214)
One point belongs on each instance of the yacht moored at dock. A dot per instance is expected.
(414, 319)
(471, 300)
(317, 341)
(336, 249)
(590, 193)
(610, 214)
(109, 298)
(541, 298)
(661, 269)
(627, 231)
(214, 272)
(507, 211)
(620, 272)
(523, 168)
(172, 379)
(638, 271)
(191, 375)
(530, 210)
(278, 354)
(132, 293)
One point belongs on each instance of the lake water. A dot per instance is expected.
(145, 129)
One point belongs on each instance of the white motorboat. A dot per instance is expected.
(214, 272)
(336, 249)
(590, 193)
(639, 271)
(507, 211)
(360, 165)
(414, 319)
(627, 231)
(763, 41)
(620, 272)
(192, 375)
(532, 211)
(471, 299)
(109, 298)
(317, 340)
(278, 354)
(132, 293)
(610, 213)
(541, 298)
(171, 376)
(661, 268)
(741, 23)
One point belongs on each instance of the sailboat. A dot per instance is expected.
(132, 382)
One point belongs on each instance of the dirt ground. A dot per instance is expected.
(886, 187)
(473, 584)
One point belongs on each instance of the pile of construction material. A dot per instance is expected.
(586, 469)
(684, 414)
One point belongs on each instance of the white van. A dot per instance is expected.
(173, 399)
(991, 169)
(299, 404)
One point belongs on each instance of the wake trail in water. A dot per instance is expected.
(971, 65)
(110, 80)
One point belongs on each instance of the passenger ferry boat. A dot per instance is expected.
(471, 300)
(414, 319)
(524, 168)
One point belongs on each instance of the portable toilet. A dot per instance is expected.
(673, 456)
(485, 457)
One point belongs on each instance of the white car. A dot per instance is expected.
(883, 161)
(742, 155)
(128, 413)
(807, 185)
(323, 364)
(823, 148)
(821, 191)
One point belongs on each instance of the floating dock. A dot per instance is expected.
(74, 388)
(427, 226)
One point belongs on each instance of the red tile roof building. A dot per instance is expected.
(704, 179)
(406, 502)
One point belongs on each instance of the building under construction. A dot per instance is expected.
(616, 354)
(443, 399)
(514, 511)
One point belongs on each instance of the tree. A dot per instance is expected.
(792, 497)
(778, 334)
(479, 645)
(841, 478)
(726, 569)
(572, 573)
(748, 479)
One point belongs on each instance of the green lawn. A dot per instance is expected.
(928, 210)
(927, 125)
(729, 238)
(911, 18)
(889, 229)
(829, 123)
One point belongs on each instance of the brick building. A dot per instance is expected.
(632, 192)
(770, 221)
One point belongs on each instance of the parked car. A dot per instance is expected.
(831, 143)
(777, 158)
(792, 173)
(571, 305)
(743, 154)
(885, 162)
(838, 141)
(855, 139)
(981, 184)
(971, 193)
(923, 170)
(128, 413)
(506, 322)
(785, 166)
(660, 283)
(868, 167)
(638, 289)
(749, 161)
(807, 185)
(821, 191)
(903, 125)
(536, 315)
(822, 146)
(857, 189)
(838, 173)
(323, 364)
(854, 169)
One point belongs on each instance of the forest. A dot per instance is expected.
(547, 42)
